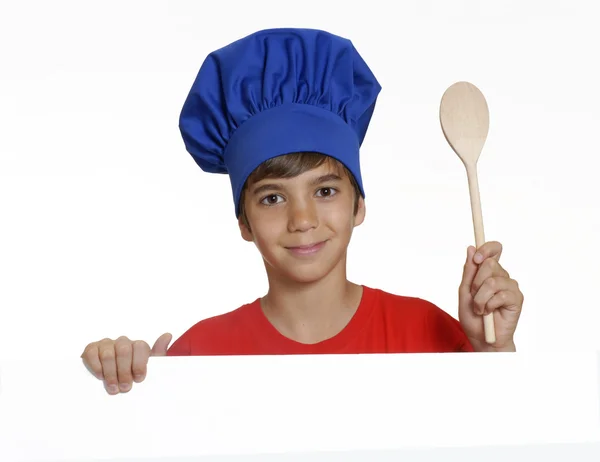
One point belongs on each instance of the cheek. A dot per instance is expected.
(266, 231)
(263, 239)
(339, 216)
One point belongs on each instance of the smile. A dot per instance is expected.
(309, 249)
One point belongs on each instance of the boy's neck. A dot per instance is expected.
(312, 312)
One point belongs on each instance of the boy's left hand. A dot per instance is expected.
(486, 287)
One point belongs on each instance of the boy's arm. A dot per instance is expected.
(487, 288)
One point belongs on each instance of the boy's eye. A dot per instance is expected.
(325, 192)
(271, 199)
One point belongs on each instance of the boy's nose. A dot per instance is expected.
(302, 217)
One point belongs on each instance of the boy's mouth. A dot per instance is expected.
(308, 249)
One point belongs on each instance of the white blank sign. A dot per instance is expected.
(358, 406)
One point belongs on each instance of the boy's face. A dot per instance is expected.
(302, 226)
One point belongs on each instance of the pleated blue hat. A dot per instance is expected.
(276, 92)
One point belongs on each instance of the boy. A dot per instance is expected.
(284, 112)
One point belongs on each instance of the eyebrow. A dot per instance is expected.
(330, 177)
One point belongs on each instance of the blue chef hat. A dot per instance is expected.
(276, 92)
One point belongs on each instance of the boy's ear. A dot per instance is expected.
(361, 211)
(245, 230)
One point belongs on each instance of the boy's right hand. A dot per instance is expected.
(121, 362)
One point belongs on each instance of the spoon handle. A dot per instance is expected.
(488, 320)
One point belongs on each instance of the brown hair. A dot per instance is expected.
(290, 166)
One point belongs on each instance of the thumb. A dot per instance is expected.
(469, 272)
(161, 345)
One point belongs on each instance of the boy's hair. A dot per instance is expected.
(290, 166)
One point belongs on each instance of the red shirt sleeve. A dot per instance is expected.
(181, 347)
(446, 332)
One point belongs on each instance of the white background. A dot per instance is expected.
(107, 226)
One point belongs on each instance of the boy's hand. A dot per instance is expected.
(486, 287)
(120, 362)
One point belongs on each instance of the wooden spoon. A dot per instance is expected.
(465, 122)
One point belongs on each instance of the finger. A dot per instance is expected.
(469, 272)
(106, 352)
(489, 289)
(161, 345)
(124, 358)
(490, 249)
(141, 353)
(490, 268)
(92, 360)
(504, 298)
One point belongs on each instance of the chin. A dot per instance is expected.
(306, 272)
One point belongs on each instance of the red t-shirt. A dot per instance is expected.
(383, 323)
